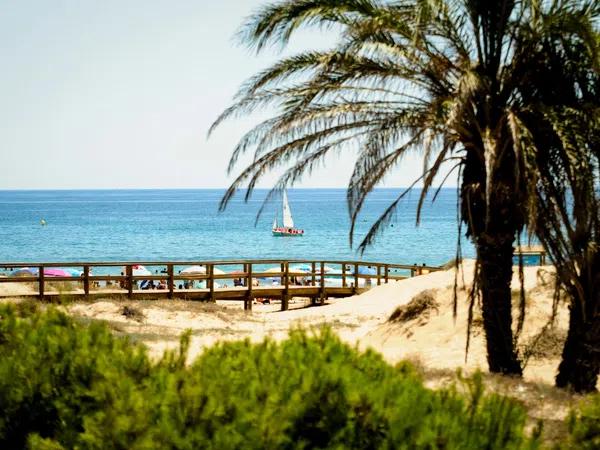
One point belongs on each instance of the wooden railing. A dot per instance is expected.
(310, 282)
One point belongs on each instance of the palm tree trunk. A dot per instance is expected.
(493, 228)
(496, 257)
(580, 363)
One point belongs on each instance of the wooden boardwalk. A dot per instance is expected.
(351, 277)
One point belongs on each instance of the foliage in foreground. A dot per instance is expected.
(67, 385)
(584, 425)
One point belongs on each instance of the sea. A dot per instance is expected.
(186, 225)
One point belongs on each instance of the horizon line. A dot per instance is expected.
(197, 188)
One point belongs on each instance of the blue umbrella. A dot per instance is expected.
(303, 267)
(74, 272)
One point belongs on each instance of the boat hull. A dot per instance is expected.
(292, 233)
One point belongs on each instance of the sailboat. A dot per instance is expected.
(287, 228)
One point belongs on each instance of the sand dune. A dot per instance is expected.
(434, 338)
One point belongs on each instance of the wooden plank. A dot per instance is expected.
(286, 293)
(41, 282)
(129, 275)
(211, 282)
(356, 277)
(249, 285)
(219, 294)
(86, 280)
(19, 279)
(322, 290)
(170, 280)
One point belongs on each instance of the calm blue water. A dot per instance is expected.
(185, 225)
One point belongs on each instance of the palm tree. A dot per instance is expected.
(440, 77)
(566, 198)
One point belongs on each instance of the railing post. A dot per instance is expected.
(249, 281)
(286, 293)
(378, 275)
(41, 281)
(211, 282)
(322, 290)
(170, 280)
(129, 273)
(314, 269)
(344, 275)
(355, 278)
(387, 272)
(86, 280)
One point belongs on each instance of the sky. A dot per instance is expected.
(121, 93)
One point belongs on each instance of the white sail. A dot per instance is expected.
(275, 223)
(288, 222)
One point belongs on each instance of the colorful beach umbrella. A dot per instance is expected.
(74, 272)
(56, 273)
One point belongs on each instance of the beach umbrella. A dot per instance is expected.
(56, 273)
(25, 272)
(308, 268)
(138, 270)
(194, 270)
(293, 272)
(141, 270)
(302, 267)
(74, 272)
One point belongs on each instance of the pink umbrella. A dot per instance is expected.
(56, 273)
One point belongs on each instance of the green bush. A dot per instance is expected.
(584, 425)
(66, 385)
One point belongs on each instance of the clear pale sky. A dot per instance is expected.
(120, 94)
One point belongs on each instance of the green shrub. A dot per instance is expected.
(66, 385)
(53, 374)
(584, 425)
